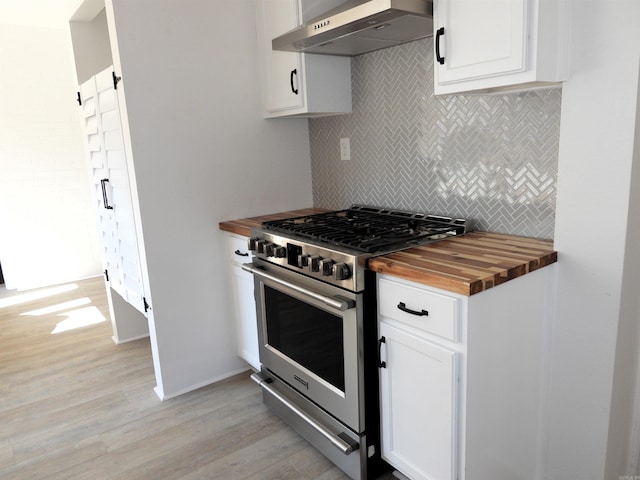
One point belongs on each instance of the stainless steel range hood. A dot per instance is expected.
(358, 26)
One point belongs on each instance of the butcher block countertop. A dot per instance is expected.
(243, 226)
(470, 263)
(467, 264)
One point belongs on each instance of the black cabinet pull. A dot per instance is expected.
(439, 35)
(421, 313)
(381, 364)
(240, 254)
(294, 73)
(105, 200)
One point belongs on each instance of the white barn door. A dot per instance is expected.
(112, 190)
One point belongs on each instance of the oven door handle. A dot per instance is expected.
(338, 303)
(336, 440)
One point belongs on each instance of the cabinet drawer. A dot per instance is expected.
(419, 308)
(238, 249)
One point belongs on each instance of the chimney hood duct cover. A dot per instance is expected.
(358, 26)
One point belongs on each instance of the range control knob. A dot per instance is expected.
(303, 261)
(253, 241)
(314, 263)
(326, 266)
(341, 271)
(260, 244)
(279, 252)
(269, 248)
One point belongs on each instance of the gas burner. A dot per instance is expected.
(369, 230)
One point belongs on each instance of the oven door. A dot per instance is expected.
(310, 336)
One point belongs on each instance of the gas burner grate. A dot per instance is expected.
(369, 229)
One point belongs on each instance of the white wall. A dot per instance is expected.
(202, 154)
(47, 227)
(91, 48)
(624, 423)
(41, 13)
(589, 408)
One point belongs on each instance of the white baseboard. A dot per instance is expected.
(164, 396)
(120, 342)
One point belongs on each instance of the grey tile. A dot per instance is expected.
(489, 158)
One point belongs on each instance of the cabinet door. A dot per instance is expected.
(482, 38)
(283, 86)
(418, 398)
(244, 301)
(110, 177)
(246, 322)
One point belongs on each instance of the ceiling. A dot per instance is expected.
(41, 13)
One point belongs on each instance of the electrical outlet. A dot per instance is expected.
(345, 149)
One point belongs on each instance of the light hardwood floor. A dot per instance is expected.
(73, 405)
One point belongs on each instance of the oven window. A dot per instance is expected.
(306, 334)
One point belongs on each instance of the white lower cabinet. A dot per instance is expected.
(463, 379)
(243, 300)
(419, 395)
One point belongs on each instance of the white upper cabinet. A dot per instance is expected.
(488, 44)
(297, 84)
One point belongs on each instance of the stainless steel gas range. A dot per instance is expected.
(316, 310)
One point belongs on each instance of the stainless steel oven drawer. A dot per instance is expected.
(316, 427)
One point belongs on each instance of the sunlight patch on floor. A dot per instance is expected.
(79, 318)
(13, 300)
(58, 307)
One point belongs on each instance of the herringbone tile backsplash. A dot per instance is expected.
(492, 159)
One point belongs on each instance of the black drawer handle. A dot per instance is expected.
(439, 35)
(240, 254)
(381, 364)
(403, 307)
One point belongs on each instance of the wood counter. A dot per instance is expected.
(470, 263)
(467, 264)
(243, 226)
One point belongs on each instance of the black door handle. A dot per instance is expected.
(240, 254)
(439, 35)
(381, 364)
(294, 73)
(105, 200)
(421, 313)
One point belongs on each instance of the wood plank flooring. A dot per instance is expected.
(73, 405)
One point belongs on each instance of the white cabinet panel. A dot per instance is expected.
(283, 87)
(243, 300)
(418, 406)
(419, 309)
(297, 84)
(483, 38)
(485, 44)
